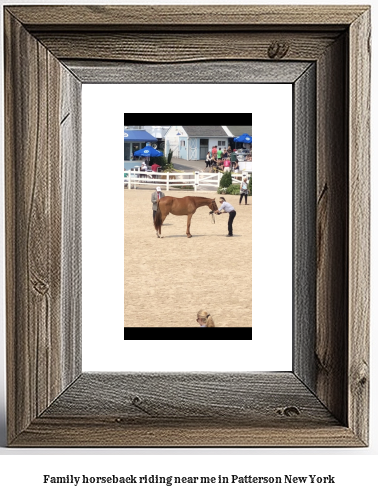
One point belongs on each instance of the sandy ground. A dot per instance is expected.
(168, 280)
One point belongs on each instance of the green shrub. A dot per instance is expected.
(250, 185)
(168, 167)
(160, 160)
(169, 158)
(226, 180)
(233, 189)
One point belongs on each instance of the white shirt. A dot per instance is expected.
(227, 207)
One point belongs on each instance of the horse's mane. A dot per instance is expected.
(189, 196)
(204, 197)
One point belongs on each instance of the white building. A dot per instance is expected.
(193, 142)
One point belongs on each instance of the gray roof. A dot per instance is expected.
(237, 130)
(205, 131)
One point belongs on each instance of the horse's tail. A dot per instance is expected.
(157, 220)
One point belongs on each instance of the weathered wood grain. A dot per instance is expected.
(331, 349)
(192, 409)
(182, 47)
(70, 165)
(150, 17)
(95, 432)
(215, 396)
(34, 239)
(304, 227)
(359, 226)
(30, 238)
(198, 72)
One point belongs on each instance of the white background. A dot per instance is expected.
(103, 281)
(355, 469)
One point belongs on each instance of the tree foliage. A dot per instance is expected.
(226, 180)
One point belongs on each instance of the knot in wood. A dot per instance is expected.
(289, 411)
(136, 400)
(140, 404)
(41, 287)
(277, 50)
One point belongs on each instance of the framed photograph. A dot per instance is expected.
(324, 53)
(168, 279)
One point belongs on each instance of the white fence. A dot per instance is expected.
(136, 177)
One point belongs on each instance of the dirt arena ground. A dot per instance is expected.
(168, 280)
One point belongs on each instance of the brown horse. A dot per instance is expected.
(180, 206)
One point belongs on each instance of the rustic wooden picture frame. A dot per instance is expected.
(49, 52)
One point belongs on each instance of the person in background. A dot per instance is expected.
(204, 319)
(214, 150)
(208, 159)
(243, 190)
(234, 160)
(156, 195)
(219, 153)
(220, 164)
(229, 209)
(226, 165)
(214, 160)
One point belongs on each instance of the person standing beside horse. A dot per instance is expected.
(228, 209)
(156, 195)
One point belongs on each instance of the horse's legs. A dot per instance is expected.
(163, 217)
(188, 226)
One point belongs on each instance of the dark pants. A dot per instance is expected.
(153, 214)
(241, 197)
(231, 218)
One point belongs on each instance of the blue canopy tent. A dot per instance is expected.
(135, 139)
(245, 138)
(148, 151)
(138, 136)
